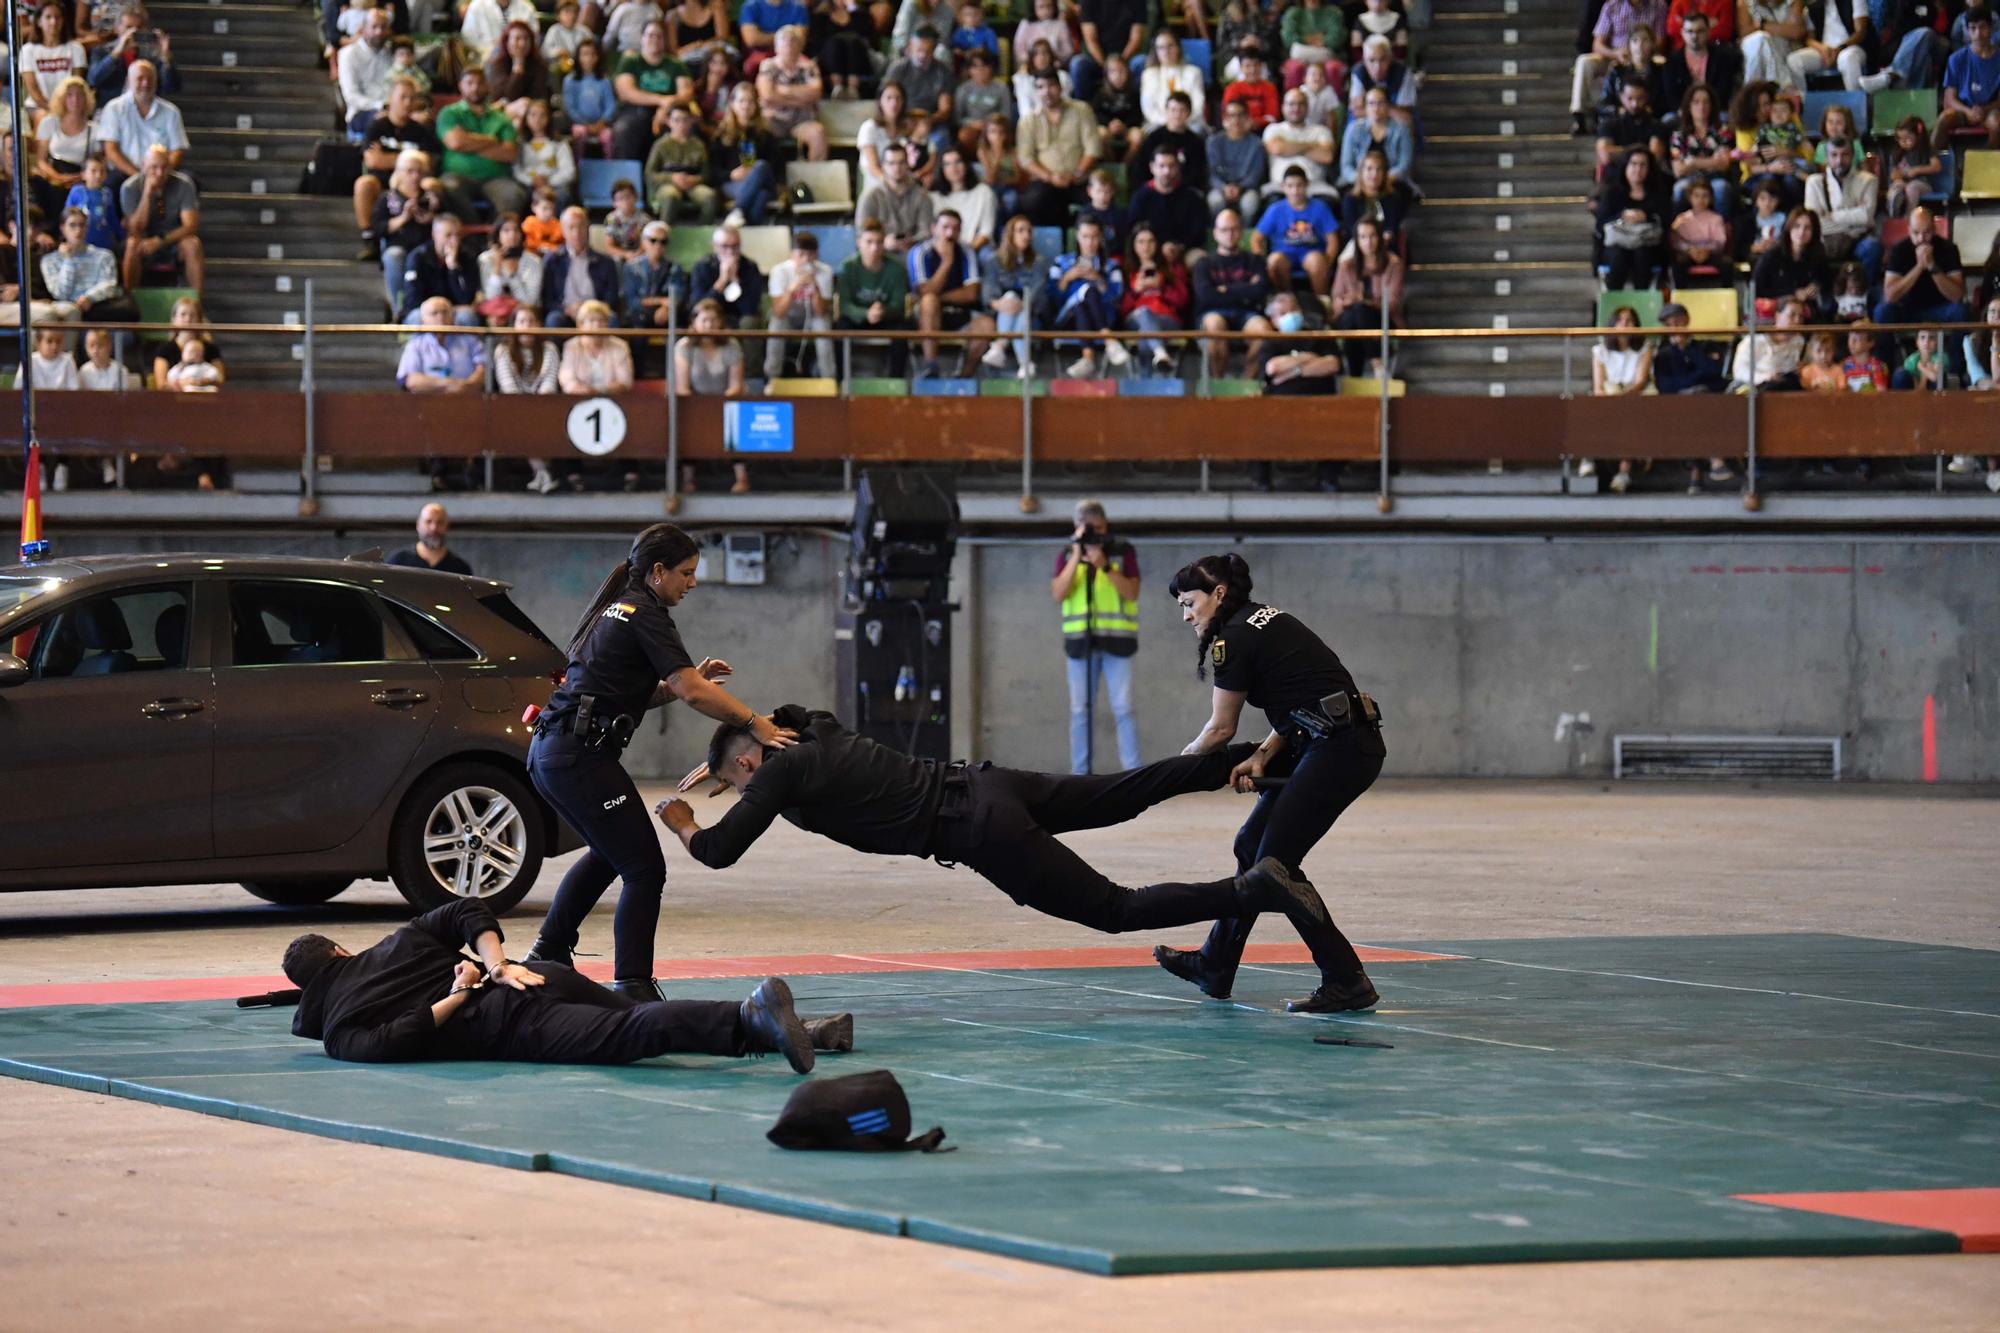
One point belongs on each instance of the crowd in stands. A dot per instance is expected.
(1808, 160)
(1060, 166)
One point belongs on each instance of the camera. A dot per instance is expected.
(1092, 538)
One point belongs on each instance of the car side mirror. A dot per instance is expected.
(12, 670)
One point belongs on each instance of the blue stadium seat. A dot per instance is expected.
(595, 177)
(1152, 388)
(1199, 52)
(1048, 241)
(945, 388)
(836, 243)
(1817, 103)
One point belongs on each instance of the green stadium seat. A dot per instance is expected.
(1894, 104)
(688, 244)
(1011, 388)
(863, 387)
(1645, 300)
(1235, 388)
(156, 304)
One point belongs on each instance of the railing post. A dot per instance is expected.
(1383, 501)
(1569, 349)
(673, 411)
(309, 462)
(1029, 504)
(1750, 497)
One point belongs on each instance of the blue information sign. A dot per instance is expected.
(757, 428)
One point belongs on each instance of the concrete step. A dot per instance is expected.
(1504, 248)
(277, 243)
(257, 50)
(1544, 313)
(265, 176)
(315, 112)
(1490, 57)
(1461, 180)
(336, 283)
(188, 18)
(1486, 148)
(284, 211)
(1499, 217)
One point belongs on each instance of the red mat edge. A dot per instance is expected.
(1971, 1214)
(682, 969)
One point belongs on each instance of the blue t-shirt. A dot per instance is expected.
(963, 40)
(1975, 81)
(771, 15)
(106, 231)
(1297, 232)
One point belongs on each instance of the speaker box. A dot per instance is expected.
(905, 531)
(876, 648)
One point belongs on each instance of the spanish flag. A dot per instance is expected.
(33, 545)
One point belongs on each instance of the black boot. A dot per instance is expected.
(640, 990)
(771, 1024)
(546, 950)
(1192, 967)
(1269, 887)
(1338, 997)
(835, 1033)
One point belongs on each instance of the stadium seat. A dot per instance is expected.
(803, 388)
(1817, 103)
(836, 243)
(596, 175)
(1644, 300)
(831, 185)
(1974, 235)
(769, 246)
(1895, 229)
(1141, 387)
(865, 387)
(1708, 307)
(1010, 387)
(945, 388)
(1982, 175)
(1199, 52)
(599, 237)
(156, 304)
(1363, 386)
(1892, 105)
(689, 243)
(1235, 388)
(1945, 184)
(1048, 241)
(843, 121)
(1084, 389)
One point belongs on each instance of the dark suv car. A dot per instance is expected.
(293, 724)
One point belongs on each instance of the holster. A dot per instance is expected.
(1337, 714)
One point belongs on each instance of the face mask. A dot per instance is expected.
(1291, 321)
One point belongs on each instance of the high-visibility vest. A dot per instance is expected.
(1093, 608)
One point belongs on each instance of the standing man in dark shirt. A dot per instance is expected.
(1177, 212)
(415, 996)
(397, 129)
(1110, 28)
(1230, 287)
(430, 552)
(1000, 822)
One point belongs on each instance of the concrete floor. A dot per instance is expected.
(111, 1207)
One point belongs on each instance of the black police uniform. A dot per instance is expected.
(376, 1006)
(1287, 670)
(1000, 822)
(574, 763)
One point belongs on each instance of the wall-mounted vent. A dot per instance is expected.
(1727, 758)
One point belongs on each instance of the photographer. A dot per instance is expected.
(402, 220)
(1097, 585)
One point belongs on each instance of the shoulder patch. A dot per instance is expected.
(1218, 652)
(1262, 616)
(620, 611)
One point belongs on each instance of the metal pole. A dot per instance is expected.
(847, 391)
(25, 378)
(1568, 349)
(308, 465)
(1750, 451)
(673, 412)
(1028, 502)
(1382, 500)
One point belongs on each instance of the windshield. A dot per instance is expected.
(16, 589)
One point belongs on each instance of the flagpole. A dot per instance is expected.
(32, 544)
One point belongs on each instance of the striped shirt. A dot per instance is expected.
(91, 275)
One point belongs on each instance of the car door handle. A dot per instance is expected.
(398, 698)
(172, 707)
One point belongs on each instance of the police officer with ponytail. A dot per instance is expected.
(1325, 742)
(625, 657)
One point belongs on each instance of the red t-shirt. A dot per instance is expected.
(1259, 99)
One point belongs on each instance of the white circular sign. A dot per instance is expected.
(596, 426)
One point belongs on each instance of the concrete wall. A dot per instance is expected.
(1478, 648)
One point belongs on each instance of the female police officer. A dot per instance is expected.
(625, 657)
(1325, 739)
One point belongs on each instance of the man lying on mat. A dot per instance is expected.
(1000, 822)
(415, 996)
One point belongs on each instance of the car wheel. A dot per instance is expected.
(467, 831)
(297, 892)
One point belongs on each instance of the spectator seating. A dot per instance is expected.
(156, 304)
(1010, 387)
(1235, 388)
(1894, 104)
(836, 243)
(1050, 242)
(596, 175)
(1982, 175)
(951, 388)
(1856, 103)
(875, 386)
(689, 243)
(768, 246)
(1103, 388)
(1707, 307)
(1147, 387)
(1199, 52)
(1645, 300)
(1973, 233)
(843, 121)
(803, 387)
(830, 183)
(1895, 229)
(1363, 386)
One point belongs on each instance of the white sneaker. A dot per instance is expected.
(1115, 353)
(995, 358)
(1621, 483)
(1587, 468)
(110, 473)
(1961, 464)
(1162, 363)
(542, 483)
(1993, 482)
(735, 218)
(1027, 372)
(60, 481)
(1875, 83)
(1083, 367)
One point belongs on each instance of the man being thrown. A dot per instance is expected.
(1000, 822)
(415, 996)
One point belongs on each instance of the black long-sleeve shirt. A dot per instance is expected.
(377, 1004)
(836, 784)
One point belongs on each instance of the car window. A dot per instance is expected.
(113, 633)
(302, 624)
(432, 640)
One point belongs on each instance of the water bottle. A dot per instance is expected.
(906, 684)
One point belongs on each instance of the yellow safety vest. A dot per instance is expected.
(1093, 608)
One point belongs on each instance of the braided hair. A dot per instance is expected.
(1230, 573)
(661, 544)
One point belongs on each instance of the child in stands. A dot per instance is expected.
(1924, 368)
(1850, 293)
(1822, 373)
(541, 230)
(93, 196)
(1863, 370)
(1768, 222)
(1700, 235)
(100, 372)
(1103, 209)
(624, 223)
(1913, 167)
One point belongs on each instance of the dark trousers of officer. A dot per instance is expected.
(1007, 832)
(1287, 823)
(573, 1020)
(591, 789)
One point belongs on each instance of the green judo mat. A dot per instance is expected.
(1543, 1099)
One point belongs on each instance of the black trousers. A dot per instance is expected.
(573, 1020)
(592, 790)
(1049, 205)
(1287, 823)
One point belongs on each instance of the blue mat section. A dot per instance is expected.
(1549, 1099)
